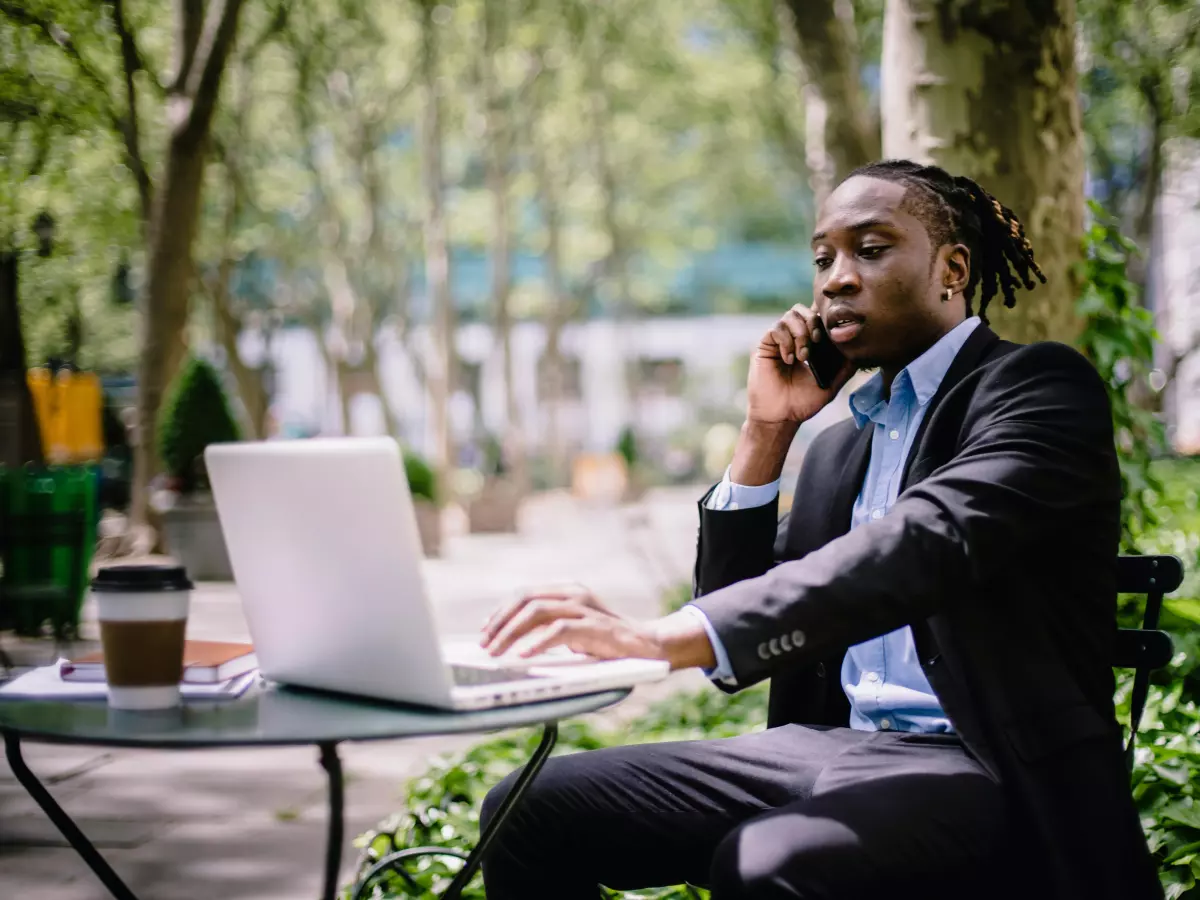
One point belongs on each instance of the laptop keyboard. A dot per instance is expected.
(470, 676)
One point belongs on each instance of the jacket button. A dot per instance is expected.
(820, 670)
(785, 643)
(775, 651)
(762, 652)
(797, 638)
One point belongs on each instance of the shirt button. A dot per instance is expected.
(894, 434)
(885, 724)
(877, 514)
(872, 677)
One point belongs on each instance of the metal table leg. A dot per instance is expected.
(475, 858)
(332, 764)
(76, 838)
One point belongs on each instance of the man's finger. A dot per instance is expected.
(802, 334)
(499, 617)
(590, 636)
(550, 637)
(787, 344)
(548, 592)
(535, 614)
(808, 316)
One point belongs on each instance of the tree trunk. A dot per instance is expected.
(841, 130)
(227, 327)
(371, 368)
(556, 316)
(496, 138)
(990, 91)
(172, 230)
(20, 437)
(615, 266)
(165, 311)
(440, 376)
(1142, 229)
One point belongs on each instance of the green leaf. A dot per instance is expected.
(1184, 815)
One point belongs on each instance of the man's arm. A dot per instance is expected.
(1040, 449)
(730, 497)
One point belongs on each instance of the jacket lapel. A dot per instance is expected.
(850, 481)
(974, 351)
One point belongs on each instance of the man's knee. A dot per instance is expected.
(495, 797)
(788, 855)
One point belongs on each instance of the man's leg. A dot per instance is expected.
(646, 815)
(897, 816)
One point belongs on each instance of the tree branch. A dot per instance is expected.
(190, 20)
(131, 62)
(204, 77)
(275, 26)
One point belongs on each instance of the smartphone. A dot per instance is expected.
(824, 358)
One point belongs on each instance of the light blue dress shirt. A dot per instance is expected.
(882, 677)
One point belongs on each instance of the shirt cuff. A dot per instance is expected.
(724, 671)
(730, 496)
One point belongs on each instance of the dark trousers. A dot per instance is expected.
(791, 812)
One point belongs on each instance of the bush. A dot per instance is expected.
(194, 415)
(627, 446)
(422, 481)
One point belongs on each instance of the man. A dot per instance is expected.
(936, 613)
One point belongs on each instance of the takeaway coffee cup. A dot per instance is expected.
(143, 615)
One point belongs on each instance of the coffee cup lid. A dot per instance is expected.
(141, 579)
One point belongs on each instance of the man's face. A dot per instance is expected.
(878, 285)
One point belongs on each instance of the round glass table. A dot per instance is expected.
(275, 716)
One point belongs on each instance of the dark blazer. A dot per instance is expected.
(1000, 553)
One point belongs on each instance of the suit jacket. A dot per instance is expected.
(1000, 554)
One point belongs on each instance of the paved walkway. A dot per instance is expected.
(242, 824)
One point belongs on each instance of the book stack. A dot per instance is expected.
(212, 670)
(204, 662)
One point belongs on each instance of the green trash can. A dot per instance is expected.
(30, 571)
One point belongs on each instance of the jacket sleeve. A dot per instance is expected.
(734, 545)
(1036, 454)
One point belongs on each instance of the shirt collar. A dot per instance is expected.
(925, 374)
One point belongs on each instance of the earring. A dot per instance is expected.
(949, 295)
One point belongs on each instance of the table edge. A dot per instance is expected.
(39, 737)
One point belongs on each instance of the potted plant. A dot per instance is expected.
(627, 449)
(195, 414)
(422, 484)
(494, 508)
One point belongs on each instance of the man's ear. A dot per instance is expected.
(956, 259)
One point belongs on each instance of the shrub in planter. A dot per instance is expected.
(195, 414)
(494, 508)
(627, 448)
(422, 484)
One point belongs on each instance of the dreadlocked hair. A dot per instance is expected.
(954, 209)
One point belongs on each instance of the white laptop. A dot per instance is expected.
(325, 551)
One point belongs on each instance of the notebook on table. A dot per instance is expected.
(204, 662)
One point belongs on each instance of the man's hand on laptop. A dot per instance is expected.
(574, 618)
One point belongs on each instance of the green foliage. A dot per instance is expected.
(195, 414)
(1168, 748)
(1166, 760)
(1118, 337)
(677, 597)
(422, 481)
(627, 446)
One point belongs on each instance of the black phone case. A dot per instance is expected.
(824, 358)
